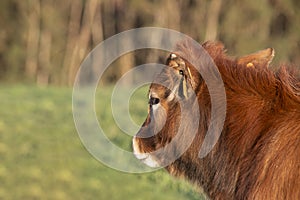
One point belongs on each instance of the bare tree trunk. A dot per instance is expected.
(97, 32)
(72, 37)
(44, 58)
(33, 36)
(125, 62)
(82, 46)
(213, 20)
(173, 15)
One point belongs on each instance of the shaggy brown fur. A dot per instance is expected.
(258, 153)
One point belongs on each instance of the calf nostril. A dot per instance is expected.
(153, 101)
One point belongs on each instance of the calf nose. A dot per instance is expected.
(145, 132)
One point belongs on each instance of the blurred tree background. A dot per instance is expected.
(45, 41)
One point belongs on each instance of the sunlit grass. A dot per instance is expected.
(42, 156)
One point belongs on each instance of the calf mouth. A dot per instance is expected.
(146, 158)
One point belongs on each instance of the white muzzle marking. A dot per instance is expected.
(146, 158)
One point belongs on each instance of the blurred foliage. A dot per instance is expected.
(42, 157)
(45, 41)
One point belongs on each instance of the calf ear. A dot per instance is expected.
(258, 59)
(186, 80)
(184, 71)
(190, 78)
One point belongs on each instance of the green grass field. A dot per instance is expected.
(42, 156)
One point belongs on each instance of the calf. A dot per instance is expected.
(257, 155)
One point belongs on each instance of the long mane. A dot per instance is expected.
(261, 128)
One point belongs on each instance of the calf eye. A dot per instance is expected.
(153, 101)
(181, 72)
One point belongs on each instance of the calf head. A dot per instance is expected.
(169, 94)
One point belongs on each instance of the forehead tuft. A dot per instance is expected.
(173, 55)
